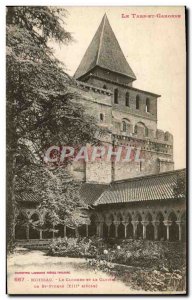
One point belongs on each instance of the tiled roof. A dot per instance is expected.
(90, 192)
(104, 51)
(153, 187)
(28, 196)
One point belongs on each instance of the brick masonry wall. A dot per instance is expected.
(122, 90)
(98, 172)
(157, 146)
(150, 165)
(109, 76)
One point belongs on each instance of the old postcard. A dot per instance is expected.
(96, 150)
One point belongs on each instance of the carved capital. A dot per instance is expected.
(135, 223)
(167, 223)
(155, 223)
(144, 223)
(116, 223)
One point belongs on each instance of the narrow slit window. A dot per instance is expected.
(101, 117)
(137, 102)
(116, 96)
(147, 105)
(127, 99)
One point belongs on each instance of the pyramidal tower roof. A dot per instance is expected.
(104, 51)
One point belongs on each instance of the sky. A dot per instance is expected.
(153, 47)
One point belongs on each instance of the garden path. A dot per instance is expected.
(77, 277)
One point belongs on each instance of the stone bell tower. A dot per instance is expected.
(129, 113)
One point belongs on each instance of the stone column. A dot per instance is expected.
(135, 223)
(87, 230)
(98, 228)
(116, 223)
(27, 232)
(155, 224)
(125, 225)
(101, 229)
(179, 223)
(41, 230)
(108, 227)
(65, 231)
(167, 223)
(144, 223)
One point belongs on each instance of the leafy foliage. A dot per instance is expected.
(42, 110)
(73, 247)
(180, 188)
(145, 265)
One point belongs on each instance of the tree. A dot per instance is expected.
(179, 189)
(41, 110)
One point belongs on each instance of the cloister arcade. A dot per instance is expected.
(120, 224)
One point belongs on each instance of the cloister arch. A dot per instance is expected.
(149, 227)
(59, 230)
(139, 228)
(47, 227)
(92, 228)
(82, 230)
(111, 226)
(21, 226)
(105, 230)
(161, 228)
(119, 217)
(70, 232)
(34, 233)
(121, 227)
(174, 227)
(163, 224)
(129, 227)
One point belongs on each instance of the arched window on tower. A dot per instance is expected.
(137, 102)
(135, 129)
(105, 87)
(127, 99)
(124, 127)
(138, 127)
(147, 108)
(116, 92)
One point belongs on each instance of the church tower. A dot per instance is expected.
(104, 60)
(129, 112)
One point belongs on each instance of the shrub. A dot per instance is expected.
(75, 247)
(146, 265)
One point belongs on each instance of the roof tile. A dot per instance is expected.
(104, 51)
(153, 187)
